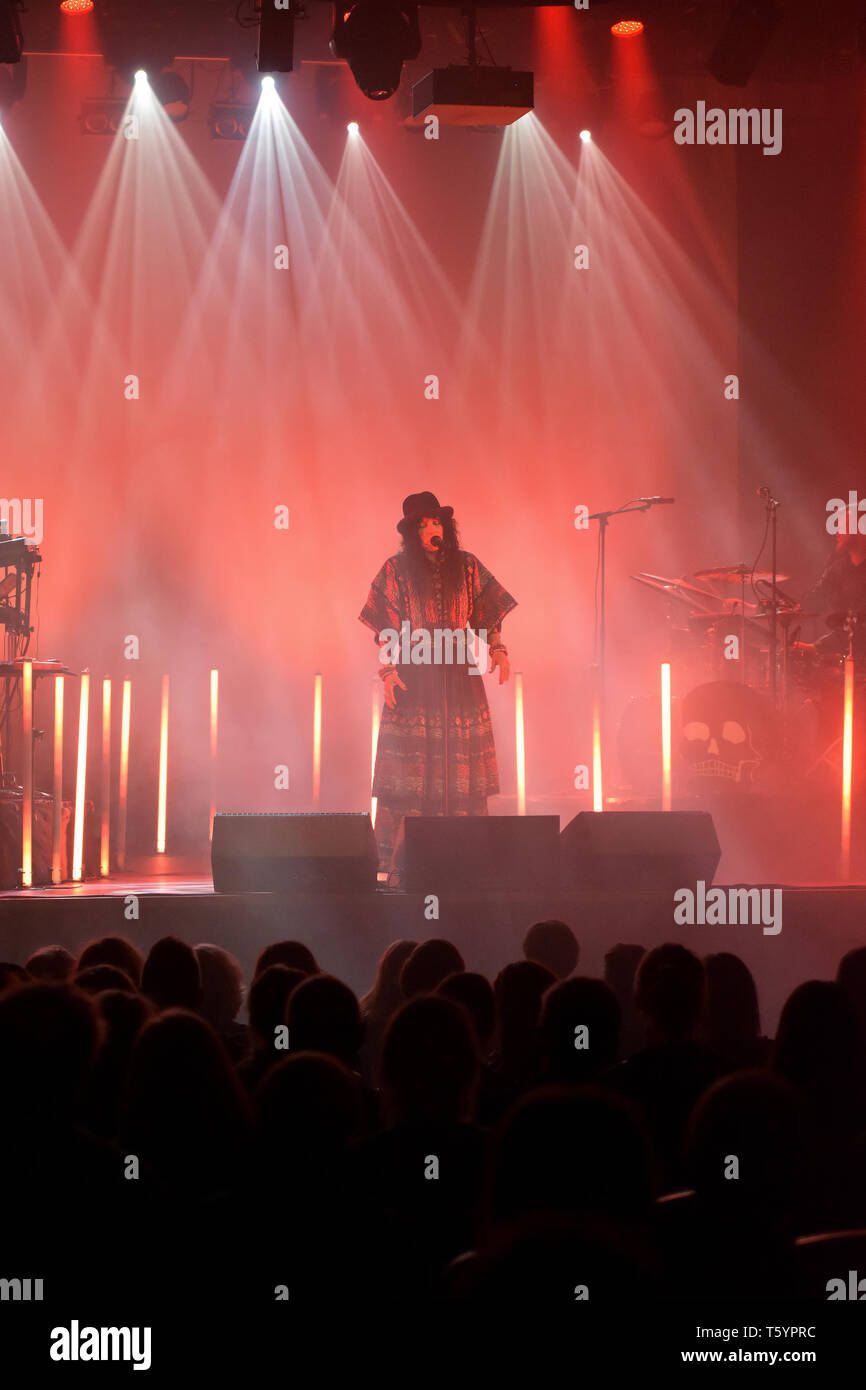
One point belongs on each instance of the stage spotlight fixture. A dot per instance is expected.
(586, 136)
(141, 75)
(172, 92)
(268, 84)
(376, 37)
(276, 37)
(73, 7)
(472, 96)
(11, 41)
(750, 27)
(626, 28)
(230, 120)
(101, 117)
(352, 127)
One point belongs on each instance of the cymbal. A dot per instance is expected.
(734, 574)
(679, 589)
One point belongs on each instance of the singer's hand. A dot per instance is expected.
(392, 680)
(501, 660)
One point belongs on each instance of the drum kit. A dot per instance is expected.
(746, 711)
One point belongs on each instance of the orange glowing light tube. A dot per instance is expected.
(80, 778)
(27, 799)
(374, 743)
(57, 821)
(105, 809)
(163, 768)
(123, 786)
(214, 744)
(847, 765)
(597, 791)
(520, 743)
(317, 741)
(666, 734)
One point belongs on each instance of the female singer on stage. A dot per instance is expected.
(433, 585)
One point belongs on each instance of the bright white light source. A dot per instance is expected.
(352, 127)
(586, 136)
(141, 75)
(267, 84)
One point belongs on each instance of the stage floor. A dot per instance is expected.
(349, 931)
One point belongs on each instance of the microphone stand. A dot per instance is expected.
(638, 504)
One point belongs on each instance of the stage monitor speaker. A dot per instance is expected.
(294, 853)
(479, 852)
(662, 850)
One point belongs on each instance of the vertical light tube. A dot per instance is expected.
(57, 825)
(27, 799)
(666, 734)
(520, 743)
(163, 768)
(317, 741)
(123, 785)
(847, 765)
(105, 809)
(597, 790)
(80, 778)
(214, 745)
(374, 741)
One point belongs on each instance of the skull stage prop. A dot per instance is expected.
(725, 732)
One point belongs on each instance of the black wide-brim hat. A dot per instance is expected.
(419, 504)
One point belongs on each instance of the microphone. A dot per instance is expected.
(650, 501)
(436, 542)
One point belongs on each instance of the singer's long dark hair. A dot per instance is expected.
(419, 566)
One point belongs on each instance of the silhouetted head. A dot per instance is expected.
(475, 993)
(669, 990)
(12, 975)
(730, 1001)
(222, 987)
(294, 954)
(554, 944)
(113, 950)
(578, 1029)
(571, 1151)
(97, 978)
(307, 1105)
(269, 994)
(428, 966)
(48, 1039)
(387, 994)
(50, 963)
(747, 1144)
(620, 967)
(183, 1110)
(518, 988)
(323, 1016)
(171, 977)
(429, 1066)
(819, 1044)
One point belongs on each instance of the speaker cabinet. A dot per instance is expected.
(479, 852)
(628, 850)
(297, 853)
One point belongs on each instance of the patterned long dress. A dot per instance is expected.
(408, 778)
